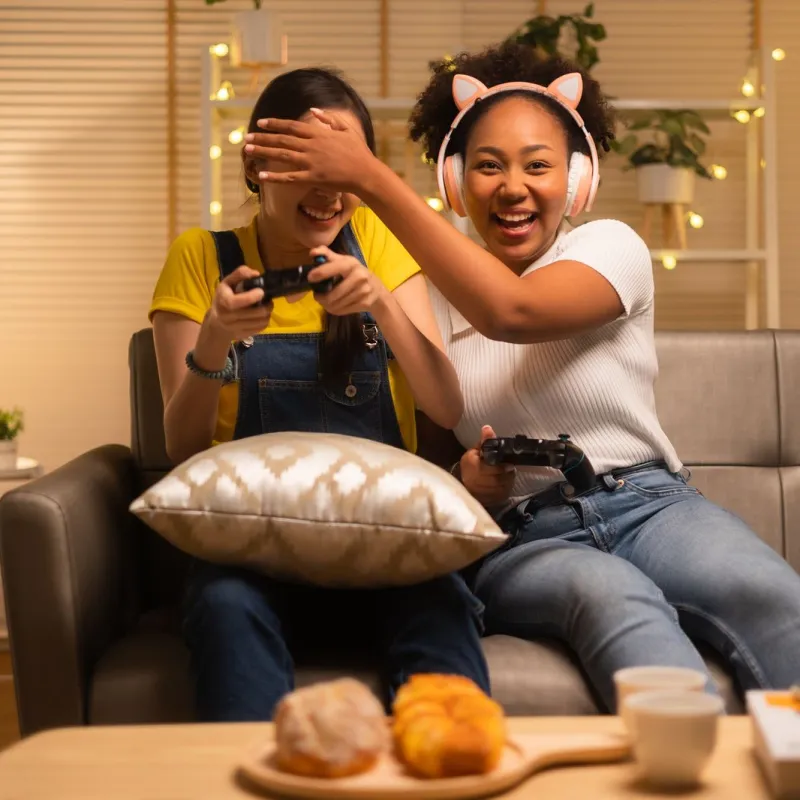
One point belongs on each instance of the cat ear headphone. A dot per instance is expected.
(584, 174)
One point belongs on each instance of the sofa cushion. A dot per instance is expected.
(144, 678)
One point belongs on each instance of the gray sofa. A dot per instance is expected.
(91, 593)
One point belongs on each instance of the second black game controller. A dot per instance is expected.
(282, 282)
(561, 454)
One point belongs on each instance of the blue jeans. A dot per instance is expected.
(242, 628)
(631, 572)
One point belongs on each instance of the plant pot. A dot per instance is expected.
(257, 39)
(661, 183)
(8, 454)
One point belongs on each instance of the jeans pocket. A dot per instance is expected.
(658, 483)
(550, 522)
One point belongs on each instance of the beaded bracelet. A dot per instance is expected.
(225, 375)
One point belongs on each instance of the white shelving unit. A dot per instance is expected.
(759, 255)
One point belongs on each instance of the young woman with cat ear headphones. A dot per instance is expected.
(550, 328)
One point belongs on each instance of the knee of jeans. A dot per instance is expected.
(613, 586)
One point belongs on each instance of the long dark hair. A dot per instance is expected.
(290, 96)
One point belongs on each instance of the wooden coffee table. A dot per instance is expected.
(180, 762)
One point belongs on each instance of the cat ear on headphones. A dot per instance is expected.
(568, 89)
(466, 90)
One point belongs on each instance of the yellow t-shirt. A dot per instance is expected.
(190, 276)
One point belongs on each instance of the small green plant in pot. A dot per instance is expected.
(11, 425)
(571, 36)
(668, 160)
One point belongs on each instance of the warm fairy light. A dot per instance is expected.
(695, 220)
(748, 90)
(718, 171)
(763, 163)
(236, 136)
(759, 112)
(225, 92)
(742, 116)
(435, 203)
(215, 207)
(220, 49)
(214, 152)
(669, 261)
(779, 54)
(449, 63)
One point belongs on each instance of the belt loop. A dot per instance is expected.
(610, 482)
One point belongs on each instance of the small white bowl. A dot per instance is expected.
(631, 680)
(675, 734)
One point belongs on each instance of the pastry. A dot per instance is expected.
(445, 726)
(331, 729)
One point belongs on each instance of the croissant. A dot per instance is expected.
(445, 726)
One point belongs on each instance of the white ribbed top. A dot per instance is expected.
(597, 387)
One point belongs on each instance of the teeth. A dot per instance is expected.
(320, 215)
(514, 217)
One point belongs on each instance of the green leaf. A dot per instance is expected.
(641, 123)
(589, 10)
(671, 126)
(697, 143)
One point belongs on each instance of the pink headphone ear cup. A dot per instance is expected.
(579, 184)
(453, 183)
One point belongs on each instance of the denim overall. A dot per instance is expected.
(244, 629)
(279, 375)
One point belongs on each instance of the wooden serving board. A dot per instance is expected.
(388, 780)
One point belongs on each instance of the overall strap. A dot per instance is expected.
(353, 248)
(229, 252)
(351, 245)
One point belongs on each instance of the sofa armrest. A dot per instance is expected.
(68, 568)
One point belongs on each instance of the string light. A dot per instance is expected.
(435, 203)
(214, 152)
(225, 92)
(742, 116)
(695, 220)
(759, 112)
(449, 63)
(215, 207)
(669, 261)
(763, 163)
(236, 136)
(220, 50)
(779, 54)
(748, 90)
(718, 171)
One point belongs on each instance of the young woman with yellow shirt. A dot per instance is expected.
(354, 361)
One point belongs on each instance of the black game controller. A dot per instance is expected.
(559, 453)
(282, 282)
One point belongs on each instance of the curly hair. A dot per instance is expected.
(435, 108)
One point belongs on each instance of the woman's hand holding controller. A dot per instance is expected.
(236, 315)
(491, 486)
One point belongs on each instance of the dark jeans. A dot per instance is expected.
(242, 628)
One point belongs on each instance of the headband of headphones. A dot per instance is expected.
(566, 91)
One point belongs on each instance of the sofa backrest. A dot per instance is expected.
(725, 399)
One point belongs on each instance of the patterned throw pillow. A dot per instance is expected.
(327, 509)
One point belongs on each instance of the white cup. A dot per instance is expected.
(675, 734)
(631, 680)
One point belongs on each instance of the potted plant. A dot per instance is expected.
(11, 425)
(257, 37)
(665, 164)
(571, 36)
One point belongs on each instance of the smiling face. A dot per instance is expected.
(515, 179)
(299, 215)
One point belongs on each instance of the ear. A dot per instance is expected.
(466, 89)
(568, 88)
(252, 166)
